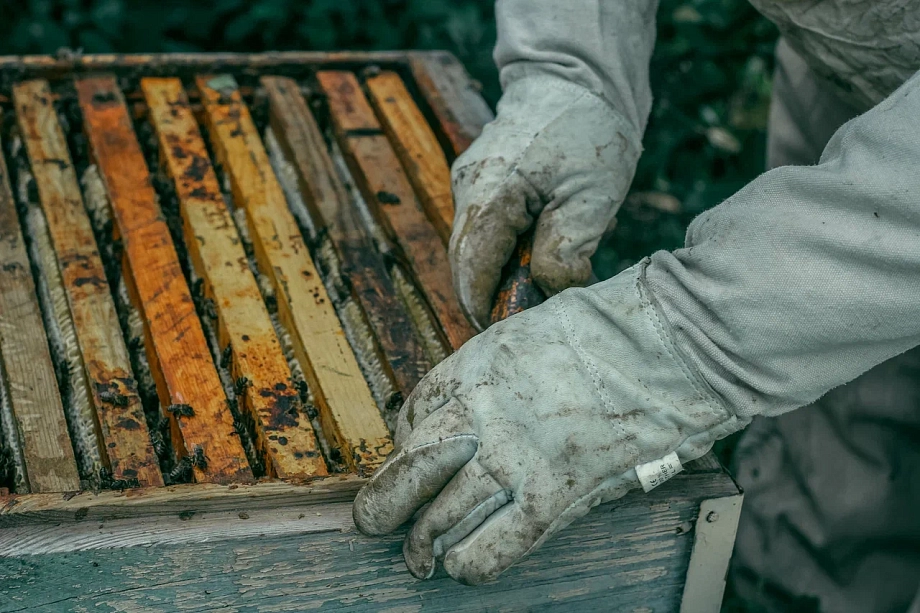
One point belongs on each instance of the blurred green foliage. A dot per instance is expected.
(466, 27)
(710, 75)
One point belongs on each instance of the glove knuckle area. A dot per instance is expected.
(432, 393)
(567, 236)
(556, 266)
(588, 141)
(431, 455)
(576, 209)
(504, 539)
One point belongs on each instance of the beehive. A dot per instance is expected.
(221, 274)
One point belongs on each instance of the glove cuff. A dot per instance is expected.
(628, 348)
(538, 100)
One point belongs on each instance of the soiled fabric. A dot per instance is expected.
(534, 422)
(861, 49)
(831, 490)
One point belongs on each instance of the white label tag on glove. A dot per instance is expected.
(653, 474)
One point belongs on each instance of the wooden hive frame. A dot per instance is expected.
(415, 112)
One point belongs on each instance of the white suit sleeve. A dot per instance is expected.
(809, 276)
(602, 45)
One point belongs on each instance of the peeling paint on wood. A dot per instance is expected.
(279, 546)
(621, 557)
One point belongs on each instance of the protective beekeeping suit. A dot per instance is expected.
(805, 280)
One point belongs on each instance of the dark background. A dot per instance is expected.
(710, 77)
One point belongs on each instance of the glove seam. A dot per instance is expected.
(662, 331)
(585, 359)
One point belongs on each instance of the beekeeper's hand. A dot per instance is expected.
(563, 148)
(534, 422)
(800, 282)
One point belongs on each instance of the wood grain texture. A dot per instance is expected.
(71, 507)
(29, 379)
(176, 345)
(348, 414)
(452, 99)
(627, 556)
(333, 211)
(121, 425)
(185, 65)
(386, 189)
(283, 430)
(417, 147)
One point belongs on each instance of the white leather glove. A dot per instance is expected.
(563, 148)
(534, 422)
(555, 153)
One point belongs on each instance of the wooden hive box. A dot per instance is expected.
(219, 277)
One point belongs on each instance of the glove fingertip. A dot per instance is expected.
(491, 213)
(412, 477)
(555, 265)
(554, 276)
(366, 518)
(477, 271)
(419, 562)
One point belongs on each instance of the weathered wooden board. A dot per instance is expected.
(44, 450)
(169, 501)
(380, 177)
(122, 427)
(417, 147)
(283, 430)
(176, 345)
(96, 507)
(348, 413)
(334, 212)
(459, 112)
(628, 556)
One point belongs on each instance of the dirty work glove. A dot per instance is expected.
(558, 155)
(534, 422)
(562, 150)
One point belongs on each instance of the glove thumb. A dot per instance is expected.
(493, 213)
